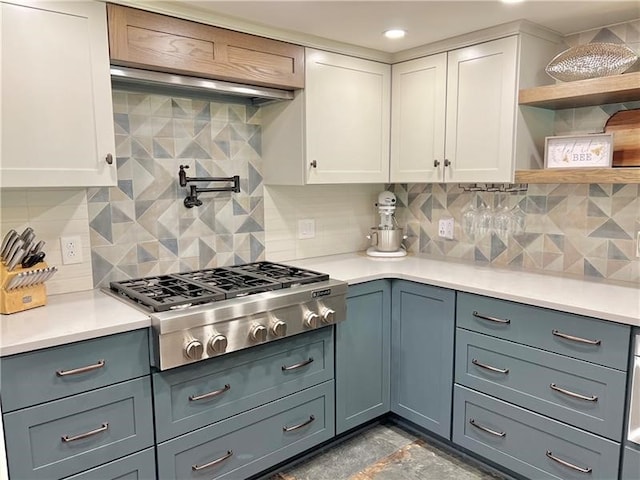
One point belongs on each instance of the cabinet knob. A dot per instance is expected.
(109, 159)
(314, 164)
(436, 163)
(447, 162)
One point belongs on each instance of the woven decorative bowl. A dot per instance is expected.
(591, 60)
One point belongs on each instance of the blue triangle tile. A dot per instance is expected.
(126, 186)
(142, 206)
(250, 225)
(594, 211)
(255, 142)
(118, 216)
(138, 150)
(194, 150)
(238, 209)
(99, 195)
(101, 223)
(100, 268)
(159, 151)
(122, 120)
(144, 255)
(256, 247)
(255, 179)
(170, 244)
(596, 190)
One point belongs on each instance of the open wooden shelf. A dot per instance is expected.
(579, 175)
(583, 93)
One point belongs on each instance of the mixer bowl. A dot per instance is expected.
(386, 240)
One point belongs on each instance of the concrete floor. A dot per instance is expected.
(384, 452)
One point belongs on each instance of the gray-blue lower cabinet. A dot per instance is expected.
(63, 437)
(530, 444)
(422, 345)
(251, 442)
(363, 355)
(630, 464)
(139, 466)
(194, 396)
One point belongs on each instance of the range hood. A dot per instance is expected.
(252, 94)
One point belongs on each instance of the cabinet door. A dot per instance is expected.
(363, 355)
(56, 95)
(417, 119)
(630, 464)
(347, 119)
(422, 328)
(481, 112)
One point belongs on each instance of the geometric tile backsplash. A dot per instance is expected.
(141, 227)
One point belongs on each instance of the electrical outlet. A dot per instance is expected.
(306, 228)
(445, 228)
(71, 248)
(638, 244)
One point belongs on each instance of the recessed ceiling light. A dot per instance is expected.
(395, 33)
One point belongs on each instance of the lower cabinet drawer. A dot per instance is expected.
(580, 393)
(528, 443)
(139, 466)
(67, 436)
(193, 396)
(253, 441)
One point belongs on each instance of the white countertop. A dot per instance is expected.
(83, 315)
(584, 297)
(67, 318)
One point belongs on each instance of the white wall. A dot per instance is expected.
(343, 215)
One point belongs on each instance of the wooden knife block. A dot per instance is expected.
(21, 299)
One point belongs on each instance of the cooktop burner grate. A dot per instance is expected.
(232, 283)
(287, 275)
(167, 292)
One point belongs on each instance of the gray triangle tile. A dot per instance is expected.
(180, 108)
(142, 206)
(596, 190)
(101, 223)
(249, 225)
(610, 229)
(203, 110)
(170, 244)
(497, 246)
(558, 240)
(121, 121)
(194, 150)
(254, 179)
(590, 270)
(139, 150)
(614, 253)
(606, 36)
(517, 261)
(126, 186)
(238, 209)
(100, 268)
(159, 151)
(95, 195)
(594, 211)
(118, 216)
(145, 256)
(255, 142)
(206, 254)
(478, 256)
(527, 238)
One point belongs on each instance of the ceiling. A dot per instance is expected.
(361, 23)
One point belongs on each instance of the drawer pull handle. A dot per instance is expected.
(215, 393)
(566, 336)
(505, 321)
(592, 398)
(76, 371)
(295, 366)
(488, 430)
(567, 464)
(197, 468)
(489, 367)
(300, 425)
(103, 428)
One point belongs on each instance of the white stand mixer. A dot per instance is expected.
(386, 238)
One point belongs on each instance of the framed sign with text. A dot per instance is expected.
(575, 151)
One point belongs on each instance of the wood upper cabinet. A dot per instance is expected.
(158, 42)
(57, 128)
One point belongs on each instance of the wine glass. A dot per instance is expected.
(484, 220)
(469, 218)
(502, 219)
(518, 220)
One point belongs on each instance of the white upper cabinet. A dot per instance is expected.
(418, 119)
(455, 116)
(57, 115)
(336, 130)
(482, 93)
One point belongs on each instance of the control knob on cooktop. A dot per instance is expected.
(258, 333)
(278, 328)
(218, 343)
(311, 320)
(193, 350)
(328, 315)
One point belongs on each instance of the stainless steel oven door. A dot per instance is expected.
(634, 404)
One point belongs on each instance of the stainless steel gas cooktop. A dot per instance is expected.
(205, 313)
